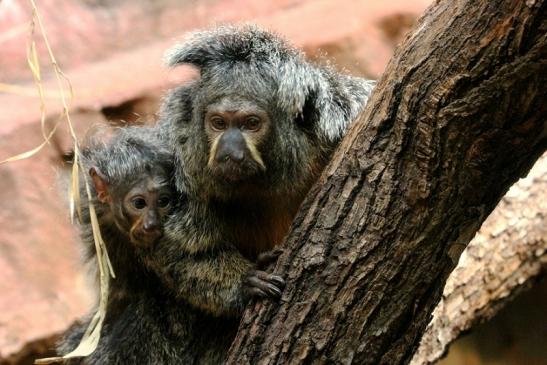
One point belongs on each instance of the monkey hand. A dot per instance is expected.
(267, 258)
(260, 284)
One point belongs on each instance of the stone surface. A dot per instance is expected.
(84, 31)
(43, 288)
(111, 51)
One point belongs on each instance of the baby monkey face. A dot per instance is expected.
(236, 129)
(138, 206)
(145, 207)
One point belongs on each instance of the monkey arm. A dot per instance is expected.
(212, 280)
(217, 280)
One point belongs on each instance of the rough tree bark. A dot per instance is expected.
(458, 117)
(506, 257)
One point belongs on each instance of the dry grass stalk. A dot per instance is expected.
(91, 337)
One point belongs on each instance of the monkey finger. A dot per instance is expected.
(268, 257)
(270, 289)
(278, 281)
(256, 292)
(276, 291)
(273, 291)
(271, 278)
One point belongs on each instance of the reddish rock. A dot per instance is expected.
(84, 31)
(43, 286)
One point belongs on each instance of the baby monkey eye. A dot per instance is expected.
(218, 123)
(163, 201)
(252, 124)
(139, 203)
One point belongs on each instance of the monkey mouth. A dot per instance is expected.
(145, 239)
(232, 172)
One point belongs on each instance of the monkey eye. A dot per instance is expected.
(163, 201)
(218, 123)
(138, 203)
(252, 124)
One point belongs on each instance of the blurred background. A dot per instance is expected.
(111, 51)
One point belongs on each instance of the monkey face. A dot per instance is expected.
(242, 70)
(236, 129)
(145, 207)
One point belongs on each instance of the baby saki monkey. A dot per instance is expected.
(144, 323)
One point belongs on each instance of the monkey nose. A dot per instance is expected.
(150, 226)
(237, 156)
(231, 146)
(234, 155)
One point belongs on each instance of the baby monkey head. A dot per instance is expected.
(133, 187)
(138, 208)
(236, 128)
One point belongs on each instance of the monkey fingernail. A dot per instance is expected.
(278, 280)
(274, 291)
(256, 292)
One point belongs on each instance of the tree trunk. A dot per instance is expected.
(458, 117)
(505, 258)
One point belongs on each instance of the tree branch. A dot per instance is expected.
(457, 118)
(507, 256)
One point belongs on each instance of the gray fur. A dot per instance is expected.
(311, 106)
(148, 322)
(200, 268)
(261, 63)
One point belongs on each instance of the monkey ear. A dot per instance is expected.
(305, 92)
(321, 99)
(100, 183)
(297, 90)
(340, 103)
